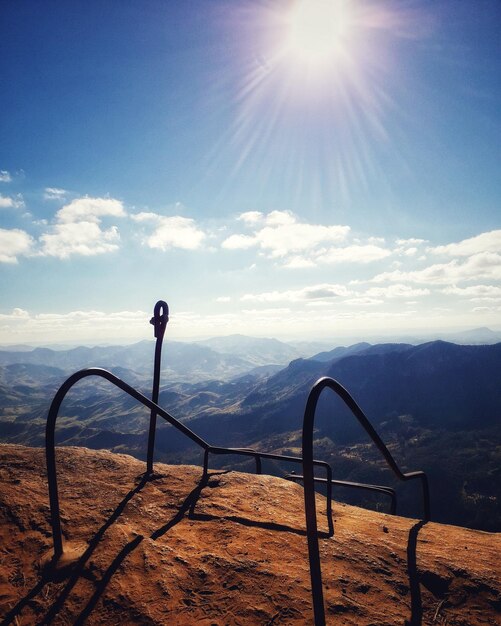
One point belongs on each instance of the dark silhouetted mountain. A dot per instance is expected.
(339, 352)
(441, 385)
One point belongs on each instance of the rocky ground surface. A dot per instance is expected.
(229, 550)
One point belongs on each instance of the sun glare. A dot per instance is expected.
(316, 88)
(317, 31)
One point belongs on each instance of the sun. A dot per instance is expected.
(317, 31)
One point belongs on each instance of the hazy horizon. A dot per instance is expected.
(346, 339)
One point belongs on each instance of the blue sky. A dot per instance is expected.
(189, 151)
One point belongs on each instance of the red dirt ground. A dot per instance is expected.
(231, 551)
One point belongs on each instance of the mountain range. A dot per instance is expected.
(436, 405)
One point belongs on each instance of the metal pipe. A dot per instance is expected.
(389, 491)
(310, 510)
(309, 480)
(50, 452)
(159, 321)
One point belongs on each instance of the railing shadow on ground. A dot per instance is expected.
(187, 509)
(416, 617)
(159, 321)
(78, 570)
(50, 575)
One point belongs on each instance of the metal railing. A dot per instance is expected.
(159, 321)
(388, 491)
(309, 481)
(50, 447)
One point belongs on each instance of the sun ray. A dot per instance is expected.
(317, 101)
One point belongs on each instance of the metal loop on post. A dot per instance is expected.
(160, 318)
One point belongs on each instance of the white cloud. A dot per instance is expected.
(408, 247)
(482, 266)
(17, 314)
(171, 232)
(319, 304)
(409, 242)
(14, 243)
(280, 218)
(485, 242)
(267, 315)
(475, 292)
(21, 325)
(396, 291)
(239, 242)
(298, 262)
(54, 193)
(296, 245)
(5, 176)
(250, 217)
(487, 309)
(353, 254)
(81, 238)
(281, 235)
(286, 238)
(364, 301)
(410, 251)
(88, 209)
(333, 256)
(6, 202)
(223, 299)
(79, 231)
(314, 292)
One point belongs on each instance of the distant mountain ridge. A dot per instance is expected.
(230, 357)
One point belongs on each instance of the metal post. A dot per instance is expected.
(159, 321)
(309, 481)
(310, 509)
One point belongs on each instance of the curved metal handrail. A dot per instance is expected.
(258, 455)
(309, 480)
(50, 451)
